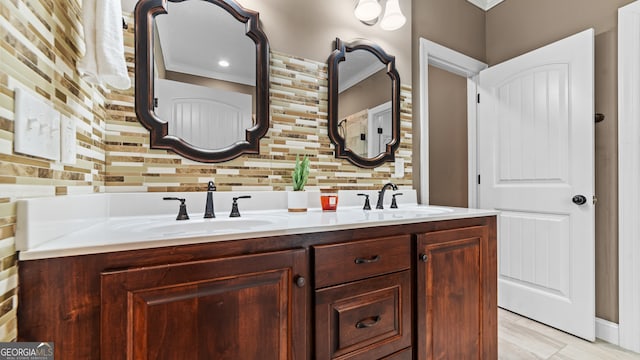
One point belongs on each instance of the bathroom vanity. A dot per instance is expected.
(413, 284)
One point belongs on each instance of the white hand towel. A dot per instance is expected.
(103, 62)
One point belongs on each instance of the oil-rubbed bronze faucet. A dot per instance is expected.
(381, 194)
(208, 207)
(182, 213)
(367, 205)
(234, 207)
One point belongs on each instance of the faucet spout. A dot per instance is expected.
(380, 201)
(208, 208)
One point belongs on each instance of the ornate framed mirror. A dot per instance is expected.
(202, 77)
(364, 103)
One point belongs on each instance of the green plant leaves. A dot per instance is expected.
(300, 173)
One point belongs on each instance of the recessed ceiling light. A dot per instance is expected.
(223, 63)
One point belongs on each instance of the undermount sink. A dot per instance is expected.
(409, 211)
(193, 227)
(419, 210)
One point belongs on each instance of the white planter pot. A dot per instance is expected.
(297, 201)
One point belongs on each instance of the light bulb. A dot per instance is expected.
(367, 10)
(393, 18)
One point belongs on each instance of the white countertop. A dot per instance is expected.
(132, 232)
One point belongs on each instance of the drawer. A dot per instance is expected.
(366, 319)
(340, 263)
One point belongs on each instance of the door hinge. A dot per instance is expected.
(478, 179)
(478, 98)
(155, 102)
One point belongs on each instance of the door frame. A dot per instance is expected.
(627, 332)
(629, 176)
(444, 58)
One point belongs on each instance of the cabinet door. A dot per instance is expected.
(246, 307)
(456, 294)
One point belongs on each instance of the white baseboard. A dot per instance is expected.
(607, 331)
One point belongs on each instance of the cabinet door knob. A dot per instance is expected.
(300, 281)
(424, 257)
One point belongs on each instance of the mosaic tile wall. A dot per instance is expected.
(298, 126)
(40, 44)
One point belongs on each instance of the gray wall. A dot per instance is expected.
(458, 25)
(307, 28)
(369, 93)
(517, 26)
(448, 166)
(606, 86)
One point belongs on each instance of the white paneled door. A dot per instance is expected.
(536, 165)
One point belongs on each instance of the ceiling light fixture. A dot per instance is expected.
(223, 63)
(393, 18)
(368, 12)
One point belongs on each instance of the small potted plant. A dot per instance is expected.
(298, 199)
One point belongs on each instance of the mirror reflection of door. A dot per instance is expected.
(379, 129)
(364, 103)
(205, 66)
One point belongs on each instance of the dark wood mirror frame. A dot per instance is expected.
(145, 13)
(341, 150)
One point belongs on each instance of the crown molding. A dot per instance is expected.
(485, 4)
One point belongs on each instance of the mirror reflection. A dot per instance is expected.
(205, 74)
(364, 104)
(202, 78)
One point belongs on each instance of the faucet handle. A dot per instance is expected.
(234, 207)
(367, 205)
(394, 204)
(182, 213)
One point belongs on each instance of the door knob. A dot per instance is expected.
(579, 200)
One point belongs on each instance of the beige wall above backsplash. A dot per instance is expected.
(308, 29)
(458, 25)
(515, 27)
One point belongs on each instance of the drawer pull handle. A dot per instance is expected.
(368, 322)
(367, 261)
(300, 281)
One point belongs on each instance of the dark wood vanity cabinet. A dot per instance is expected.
(245, 307)
(411, 291)
(457, 289)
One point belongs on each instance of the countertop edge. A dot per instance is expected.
(56, 249)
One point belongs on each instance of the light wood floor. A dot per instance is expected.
(521, 339)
